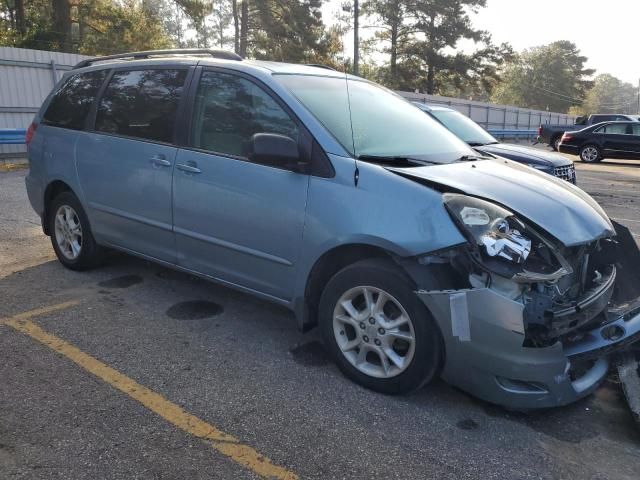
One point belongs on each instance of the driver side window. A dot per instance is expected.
(229, 110)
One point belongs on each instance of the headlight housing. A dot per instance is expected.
(493, 229)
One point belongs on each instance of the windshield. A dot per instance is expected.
(371, 121)
(463, 127)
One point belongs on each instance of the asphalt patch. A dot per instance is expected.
(194, 310)
(311, 354)
(124, 281)
(467, 424)
(553, 421)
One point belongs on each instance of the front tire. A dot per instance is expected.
(71, 235)
(590, 154)
(377, 330)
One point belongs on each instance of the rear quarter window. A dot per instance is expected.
(71, 103)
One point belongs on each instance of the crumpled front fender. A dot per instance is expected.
(483, 334)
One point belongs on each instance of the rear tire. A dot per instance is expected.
(385, 339)
(590, 153)
(555, 144)
(71, 235)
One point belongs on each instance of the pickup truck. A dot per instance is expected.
(552, 134)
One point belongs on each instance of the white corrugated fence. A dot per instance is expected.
(26, 78)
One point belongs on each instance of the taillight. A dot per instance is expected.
(30, 131)
(565, 137)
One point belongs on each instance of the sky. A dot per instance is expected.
(606, 31)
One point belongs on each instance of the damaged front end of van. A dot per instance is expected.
(549, 287)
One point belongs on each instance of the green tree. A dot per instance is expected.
(36, 31)
(394, 31)
(422, 41)
(103, 26)
(218, 23)
(290, 31)
(551, 76)
(127, 26)
(440, 25)
(609, 95)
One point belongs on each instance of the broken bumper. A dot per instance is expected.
(484, 334)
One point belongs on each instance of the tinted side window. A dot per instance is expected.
(614, 128)
(635, 129)
(71, 103)
(229, 110)
(141, 103)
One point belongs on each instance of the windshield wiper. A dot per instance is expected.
(394, 160)
(472, 158)
(480, 144)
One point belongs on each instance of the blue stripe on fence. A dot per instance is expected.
(12, 136)
(501, 132)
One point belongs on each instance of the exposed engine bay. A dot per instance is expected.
(562, 289)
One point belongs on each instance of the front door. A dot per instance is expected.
(235, 220)
(125, 163)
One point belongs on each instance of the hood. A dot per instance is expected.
(524, 154)
(560, 208)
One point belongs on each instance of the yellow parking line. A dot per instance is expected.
(221, 441)
(40, 311)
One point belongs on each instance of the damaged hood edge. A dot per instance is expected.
(563, 210)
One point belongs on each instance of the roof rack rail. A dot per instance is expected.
(223, 54)
(319, 65)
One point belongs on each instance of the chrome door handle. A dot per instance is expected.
(189, 167)
(160, 161)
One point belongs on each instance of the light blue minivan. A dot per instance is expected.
(337, 198)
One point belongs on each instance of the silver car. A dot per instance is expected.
(336, 198)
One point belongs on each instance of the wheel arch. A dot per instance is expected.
(53, 189)
(554, 137)
(338, 257)
(327, 265)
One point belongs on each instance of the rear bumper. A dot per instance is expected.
(570, 149)
(485, 356)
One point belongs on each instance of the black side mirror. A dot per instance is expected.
(277, 151)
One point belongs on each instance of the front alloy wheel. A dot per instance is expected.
(376, 328)
(374, 332)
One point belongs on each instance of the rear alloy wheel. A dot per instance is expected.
(68, 232)
(71, 235)
(556, 144)
(377, 330)
(590, 154)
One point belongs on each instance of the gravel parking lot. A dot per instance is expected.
(135, 371)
